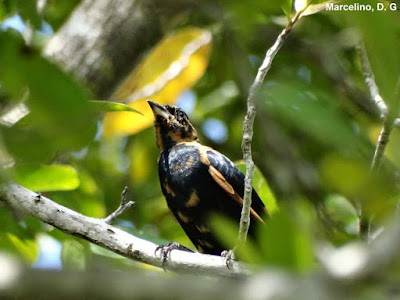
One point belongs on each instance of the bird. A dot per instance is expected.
(198, 181)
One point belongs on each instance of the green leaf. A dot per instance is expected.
(316, 111)
(73, 255)
(342, 212)
(27, 247)
(56, 12)
(60, 111)
(27, 10)
(227, 232)
(285, 240)
(262, 188)
(107, 106)
(287, 8)
(42, 178)
(16, 139)
(7, 8)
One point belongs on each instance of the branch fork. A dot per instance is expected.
(124, 205)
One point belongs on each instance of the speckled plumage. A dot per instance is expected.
(198, 181)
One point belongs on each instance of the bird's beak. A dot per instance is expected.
(159, 110)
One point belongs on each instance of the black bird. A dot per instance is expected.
(198, 181)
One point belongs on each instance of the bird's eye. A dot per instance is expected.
(180, 115)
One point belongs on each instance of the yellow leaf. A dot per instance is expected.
(175, 65)
(139, 158)
(26, 247)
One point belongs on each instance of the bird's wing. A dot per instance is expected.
(231, 179)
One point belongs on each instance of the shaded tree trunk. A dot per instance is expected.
(103, 40)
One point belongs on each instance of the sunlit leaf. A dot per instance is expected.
(46, 178)
(27, 247)
(140, 158)
(107, 106)
(342, 212)
(73, 255)
(300, 4)
(262, 188)
(314, 8)
(347, 175)
(173, 66)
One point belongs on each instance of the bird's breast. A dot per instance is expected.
(180, 167)
(183, 164)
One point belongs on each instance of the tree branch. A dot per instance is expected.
(249, 121)
(370, 80)
(100, 233)
(383, 139)
(371, 84)
(122, 207)
(388, 115)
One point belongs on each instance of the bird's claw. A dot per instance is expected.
(166, 250)
(228, 256)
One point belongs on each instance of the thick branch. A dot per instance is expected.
(249, 121)
(100, 233)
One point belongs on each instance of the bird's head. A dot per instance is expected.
(172, 126)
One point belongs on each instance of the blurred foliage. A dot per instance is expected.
(57, 11)
(262, 188)
(314, 136)
(41, 178)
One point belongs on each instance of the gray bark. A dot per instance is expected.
(116, 240)
(102, 41)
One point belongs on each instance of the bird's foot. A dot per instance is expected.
(228, 256)
(166, 250)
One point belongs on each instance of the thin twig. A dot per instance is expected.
(248, 125)
(364, 220)
(389, 116)
(370, 80)
(383, 139)
(371, 84)
(122, 207)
